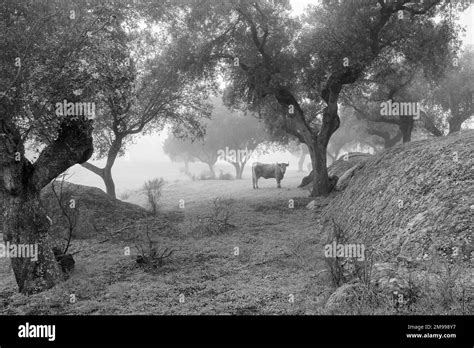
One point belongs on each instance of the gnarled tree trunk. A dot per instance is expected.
(24, 220)
(25, 223)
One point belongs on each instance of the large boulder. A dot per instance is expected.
(95, 209)
(413, 205)
(339, 168)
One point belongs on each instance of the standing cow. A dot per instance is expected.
(261, 170)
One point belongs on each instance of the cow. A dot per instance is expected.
(267, 171)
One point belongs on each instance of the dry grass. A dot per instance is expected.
(280, 253)
(278, 257)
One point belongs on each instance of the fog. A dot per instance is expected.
(146, 160)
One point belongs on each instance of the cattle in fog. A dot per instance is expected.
(267, 171)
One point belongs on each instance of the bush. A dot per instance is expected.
(217, 222)
(149, 253)
(153, 192)
(226, 176)
(125, 195)
(206, 175)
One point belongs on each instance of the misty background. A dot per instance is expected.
(145, 159)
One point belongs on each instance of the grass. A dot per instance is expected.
(259, 280)
(280, 254)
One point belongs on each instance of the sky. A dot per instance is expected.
(149, 148)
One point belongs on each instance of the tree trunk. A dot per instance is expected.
(211, 169)
(317, 143)
(304, 152)
(318, 160)
(25, 223)
(106, 176)
(109, 182)
(239, 169)
(406, 127)
(106, 172)
(301, 162)
(24, 220)
(319, 146)
(454, 124)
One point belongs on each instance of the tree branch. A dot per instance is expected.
(94, 169)
(72, 146)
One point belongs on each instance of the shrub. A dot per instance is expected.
(226, 176)
(150, 255)
(217, 221)
(206, 175)
(125, 195)
(153, 192)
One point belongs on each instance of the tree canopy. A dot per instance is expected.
(228, 135)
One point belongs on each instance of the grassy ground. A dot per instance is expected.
(279, 267)
(279, 259)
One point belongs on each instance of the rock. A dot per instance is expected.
(338, 168)
(344, 180)
(383, 269)
(94, 208)
(343, 296)
(318, 203)
(407, 218)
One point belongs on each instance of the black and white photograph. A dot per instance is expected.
(215, 164)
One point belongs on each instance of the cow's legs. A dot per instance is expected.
(278, 184)
(253, 176)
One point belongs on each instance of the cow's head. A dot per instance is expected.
(282, 167)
